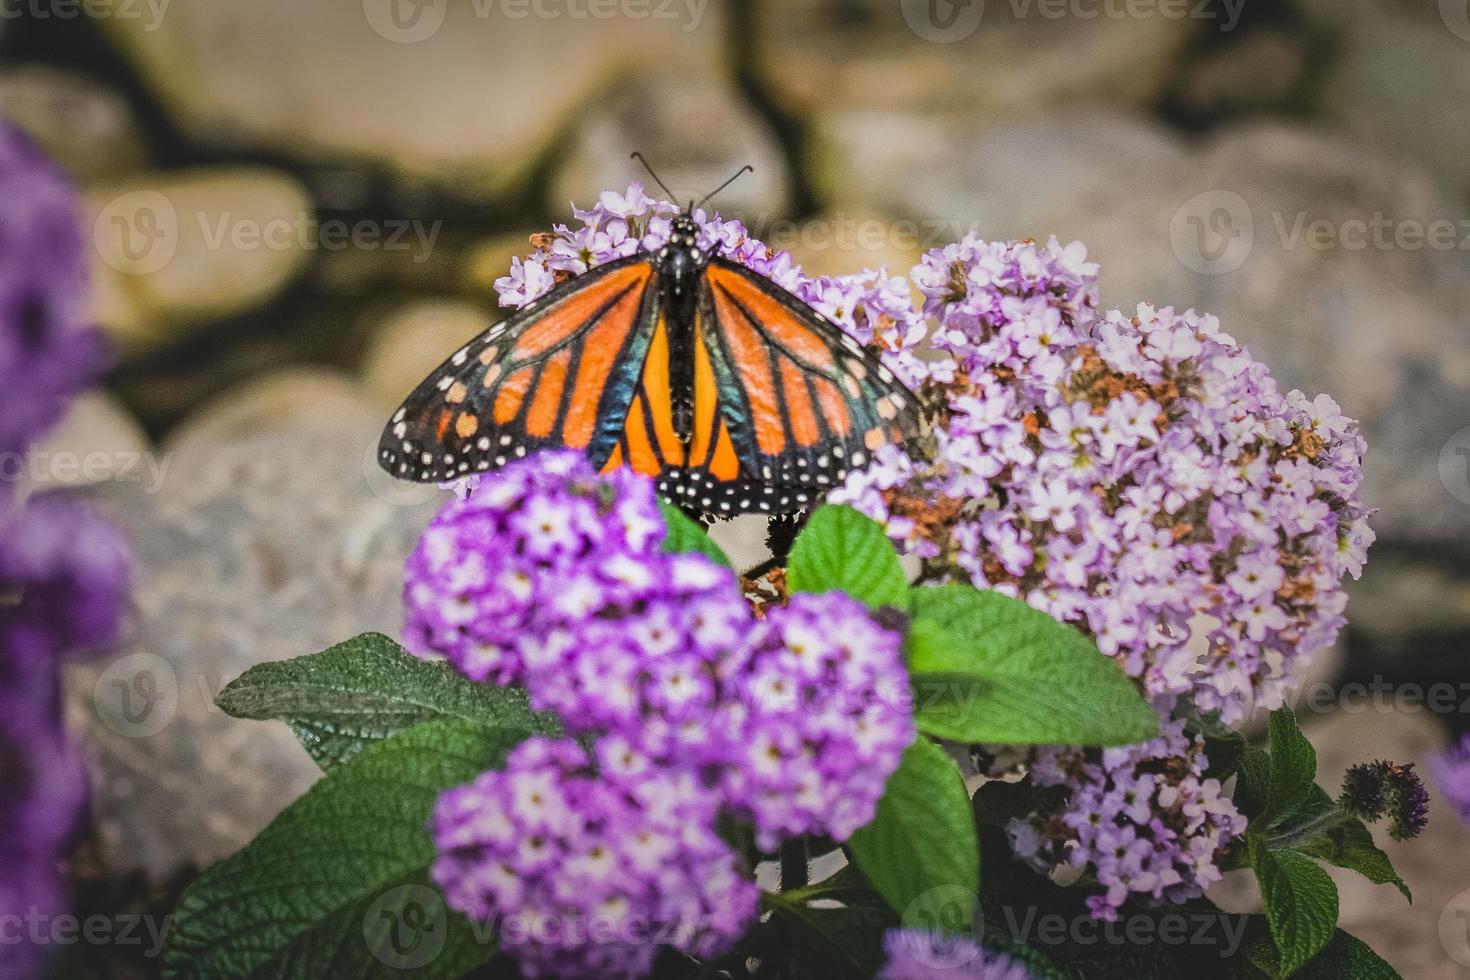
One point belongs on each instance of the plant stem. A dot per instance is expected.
(794, 868)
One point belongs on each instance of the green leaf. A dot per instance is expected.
(840, 549)
(1343, 958)
(1300, 900)
(989, 668)
(920, 851)
(1253, 782)
(368, 688)
(1293, 764)
(685, 535)
(338, 884)
(1349, 844)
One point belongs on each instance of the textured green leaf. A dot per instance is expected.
(1300, 900)
(1293, 764)
(1343, 958)
(364, 690)
(989, 668)
(1349, 844)
(920, 851)
(842, 550)
(686, 535)
(337, 885)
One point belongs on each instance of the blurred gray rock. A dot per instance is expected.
(1401, 83)
(87, 128)
(465, 96)
(972, 63)
(696, 134)
(176, 249)
(1305, 246)
(1268, 70)
(293, 398)
(1031, 178)
(96, 441)
(253, 549)
(412, 341)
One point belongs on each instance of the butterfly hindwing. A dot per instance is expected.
(785, 401)
(560, 372)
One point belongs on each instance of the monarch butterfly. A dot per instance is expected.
(732, 393)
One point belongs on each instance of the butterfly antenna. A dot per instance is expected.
(743, 170)
(639, 157)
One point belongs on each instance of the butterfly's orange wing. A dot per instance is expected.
(561, 372)
(785, 402)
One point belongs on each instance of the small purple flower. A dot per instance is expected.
(822, 719)
(1451, 771)
(584, 876)
(920, 955)
(49, 349)
(490, 564)
(643, 662)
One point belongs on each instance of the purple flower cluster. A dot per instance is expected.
(1378, 789)
(918, 955)
(1141, 818)
(1451, 772)
(63, 571)
(550, 575)
(1141, 478)
(48, 350)
(493, 561)
(824, 713)
(1151, 485)
(586, 877)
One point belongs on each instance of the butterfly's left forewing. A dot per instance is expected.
(560, 372)
(790, 402)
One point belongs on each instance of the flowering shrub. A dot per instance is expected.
(1127, 539)
(63, 570)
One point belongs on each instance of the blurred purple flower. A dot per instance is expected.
(1451, 772)
(584, 876)
(49, 349)
(920, 955)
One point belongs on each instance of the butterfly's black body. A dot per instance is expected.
(680, 263)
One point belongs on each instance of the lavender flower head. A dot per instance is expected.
(49, 349)
(1142, 819)
(1451, 772)
(920, 955)
(822, 721)
(643, 661)
(1373, 790)
(489, 562)
(582, 875)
